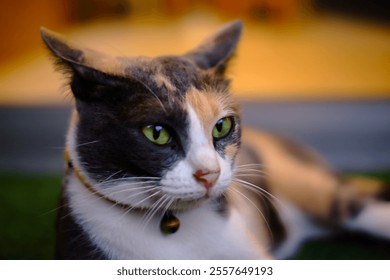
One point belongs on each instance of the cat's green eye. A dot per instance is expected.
(157, 134)
(222, 127)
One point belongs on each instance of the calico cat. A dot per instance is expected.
(159, 166)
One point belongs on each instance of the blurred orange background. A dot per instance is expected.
(290, 50)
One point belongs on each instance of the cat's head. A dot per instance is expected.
(153, 132)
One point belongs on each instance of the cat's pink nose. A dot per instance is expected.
(207, 178)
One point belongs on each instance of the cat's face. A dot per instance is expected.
(154, 132)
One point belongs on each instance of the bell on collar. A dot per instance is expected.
(169, 223)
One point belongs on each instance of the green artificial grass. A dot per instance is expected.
(27, 215)
(28, 210)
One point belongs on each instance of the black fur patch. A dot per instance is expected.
(113, 122)
(384, 194)
(72, 242)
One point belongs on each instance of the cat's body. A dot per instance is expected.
(158, 167)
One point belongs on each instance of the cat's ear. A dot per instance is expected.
(86, 62)
(216, 51)
(89, 70)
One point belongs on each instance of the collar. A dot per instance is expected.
(169, 223)
(88, 185)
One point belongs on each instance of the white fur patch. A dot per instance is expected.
(203, 234)
(299, 229)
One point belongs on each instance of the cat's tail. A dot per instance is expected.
(364, 205)
(358, 204)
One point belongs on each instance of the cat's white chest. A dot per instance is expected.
(203, 234)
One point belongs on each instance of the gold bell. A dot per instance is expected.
(169, 223)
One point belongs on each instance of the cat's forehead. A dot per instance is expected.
(174, 76)
(168, 73)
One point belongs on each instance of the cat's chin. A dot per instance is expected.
(188, 203)
(183, 205)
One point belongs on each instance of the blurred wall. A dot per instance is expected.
(290, 48)
(377, 10)
(20, 21)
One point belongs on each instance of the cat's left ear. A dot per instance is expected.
(216, 51)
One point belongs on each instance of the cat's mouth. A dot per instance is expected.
(187, 204)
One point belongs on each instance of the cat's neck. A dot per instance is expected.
(169, 223)
(86, 184)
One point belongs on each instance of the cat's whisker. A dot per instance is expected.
(132, 207)
(169, 204)
(146, 190)
(53, 210)
(125, 184)
(257, 170)
(137, 178)
(133, 186)
(129, 179)
(249, 172)
(250, 169)
(249, 175)
(121, 183)
(155, 96)
(154, 209)
(109, 177)
(248, 199)
(87, 143)
(254, 205)
(128, 194)
(257, 189)
(117, 189)
(259, 165)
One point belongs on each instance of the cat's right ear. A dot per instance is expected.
(85, 65)
(86, 62)
(61, 50)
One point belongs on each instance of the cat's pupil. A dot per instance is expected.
(156, 131)
(219, 125)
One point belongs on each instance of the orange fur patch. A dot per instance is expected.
(210, 106)
(206, 105)
(163, 81)
(231, 151)
(102, 62)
